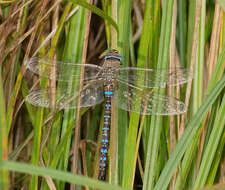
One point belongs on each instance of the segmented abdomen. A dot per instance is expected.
(103, 163)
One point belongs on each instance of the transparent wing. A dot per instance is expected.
(147, 102)
(150, 78)
(63, 99)
(61, 71)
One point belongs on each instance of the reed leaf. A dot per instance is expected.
(188, 135)
(60, 175)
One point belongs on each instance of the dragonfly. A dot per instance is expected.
(132, 88)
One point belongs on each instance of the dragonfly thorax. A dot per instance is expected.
(108, 74)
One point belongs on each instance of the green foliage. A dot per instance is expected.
(151, 152)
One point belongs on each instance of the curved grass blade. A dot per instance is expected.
(97, 11)
(60, 175)
(212, 147)
(191, 129)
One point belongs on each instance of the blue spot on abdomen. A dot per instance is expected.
(108, 93)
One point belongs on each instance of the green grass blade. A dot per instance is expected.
(72, 53)
(218, 71)
(4, 180)
(58, 31)
(59, 175)
(123, 46)
(182, 26)
(40, 112)
(156, 121)
(209, 154)
(97, 11)
(187, 164)
(198, 75)
(219, 153)
(190, 154)
(188, 135)
(129, 159)
(36, 144)
(154, 33)
(191, 28)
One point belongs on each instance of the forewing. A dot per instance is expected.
(147, 102)
(63, 98)
(61, 71)
(150, 78)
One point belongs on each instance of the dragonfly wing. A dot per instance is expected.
(150, 78)
(178, 76)
(61, 71)
(148, 102)
(65, 99)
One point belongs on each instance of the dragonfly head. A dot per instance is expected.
(111, 54)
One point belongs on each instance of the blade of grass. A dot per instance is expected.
(129, 158)
(97, 11)
(113, 166)
(187, 164)
(58, 31)
(215, 39)
(192, 48)
(36, 144)
(106, 6)
(172, 64)
(198, 74)
(190, 131)
(56, 174)
(154, 32)
(93, 125)
(156, 121)
(216, 162)
(40, 113)
(72, 53)
(123, 46)
(4, 176)
(191, 28)
(197, 92)
(182, 26)
(114, 14)
(189, 154)
(209, 154)
(78, 115)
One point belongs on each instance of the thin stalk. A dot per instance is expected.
(4, 176)
(77, 128)
(172, 64)
(114, 36)
(192, 63)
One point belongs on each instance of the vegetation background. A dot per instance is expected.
(179, 152)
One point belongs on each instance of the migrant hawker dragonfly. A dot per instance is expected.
(132, 88)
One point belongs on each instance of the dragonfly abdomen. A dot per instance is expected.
(103, 163)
